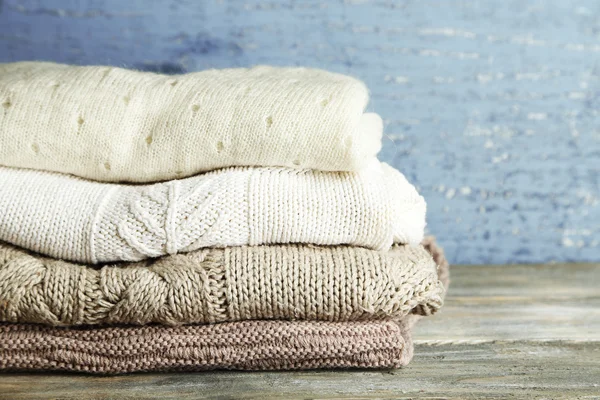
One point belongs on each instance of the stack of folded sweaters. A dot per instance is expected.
(232, 219)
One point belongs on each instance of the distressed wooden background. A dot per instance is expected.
(491, 107)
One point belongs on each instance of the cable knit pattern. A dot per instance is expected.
(91, 222)
(238, 283)
(248, 345)
(111, 124)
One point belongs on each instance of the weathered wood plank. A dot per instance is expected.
(530, 302)
(490, 370)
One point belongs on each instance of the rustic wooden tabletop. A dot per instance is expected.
(506, 331)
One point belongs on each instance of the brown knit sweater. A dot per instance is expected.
(245, 345)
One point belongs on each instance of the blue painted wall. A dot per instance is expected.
(491, 107)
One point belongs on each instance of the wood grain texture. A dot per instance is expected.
(537, 303)
(491, 107)
(505, 332)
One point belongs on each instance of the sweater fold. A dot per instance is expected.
(91, 222)
(117, 125)
(248, 345)
(292, 282)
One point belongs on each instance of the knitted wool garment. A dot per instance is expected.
(116, 125)
(236, 283)
(91, 222)
(246, 345)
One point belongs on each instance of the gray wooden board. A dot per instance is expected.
(519, 302)
(506, 331)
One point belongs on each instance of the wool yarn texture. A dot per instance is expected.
(117, 125)
(288, 282)
(247, 345)
(443, 273)
(91, 222)
(243, 345)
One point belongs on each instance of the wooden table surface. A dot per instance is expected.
(506, 331)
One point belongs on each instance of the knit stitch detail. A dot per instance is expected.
(162, 219)
(248, 345)
(291, 282)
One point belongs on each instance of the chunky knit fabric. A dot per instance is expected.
(76, 219)
(216, 285)
(111, 124)
(443, 273)
(248, 345)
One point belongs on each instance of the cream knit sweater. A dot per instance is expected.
(111, 124)
(80, 220)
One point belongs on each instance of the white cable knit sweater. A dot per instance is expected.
(80, 220)
(115, 125)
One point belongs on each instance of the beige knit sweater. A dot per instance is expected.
(111, 124)
(238, 283)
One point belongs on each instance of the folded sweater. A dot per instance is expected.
(246, 345)
(112, 124)
(216, 285)
(80, 220)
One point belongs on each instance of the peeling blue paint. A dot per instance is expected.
(492, 108)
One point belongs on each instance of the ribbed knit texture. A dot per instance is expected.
(247, 345)
(236, 283)
(111, 124)
(75, 219)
